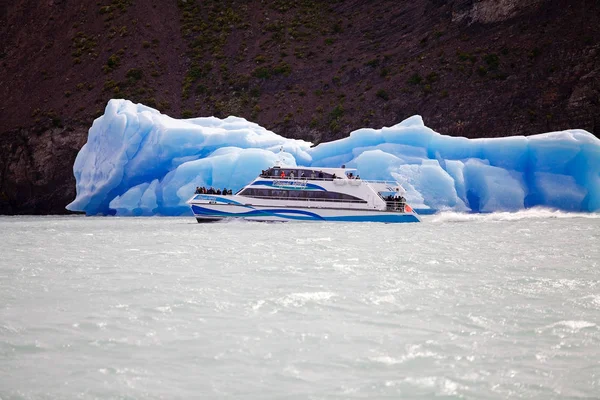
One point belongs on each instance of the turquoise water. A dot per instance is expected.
(460, 306)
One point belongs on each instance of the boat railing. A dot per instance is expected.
(383, 182)
(297, 178)
(316, 178)
(395, 205)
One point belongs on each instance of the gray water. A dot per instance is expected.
(460, 306)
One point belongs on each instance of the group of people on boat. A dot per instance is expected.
(211, 190)
(291, 175)
(303, 175)
(395, 203)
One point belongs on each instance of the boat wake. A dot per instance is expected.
(533, 213)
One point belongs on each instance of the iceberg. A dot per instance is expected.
(138, 161)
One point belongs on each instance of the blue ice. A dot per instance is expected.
(138, 161)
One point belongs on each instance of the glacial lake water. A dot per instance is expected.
(460, 306)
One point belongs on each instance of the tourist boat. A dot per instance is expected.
(307, 194)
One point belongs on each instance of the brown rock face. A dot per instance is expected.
(490, 11)
(36, 170)
(305, 69)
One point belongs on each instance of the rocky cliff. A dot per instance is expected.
(305, 69)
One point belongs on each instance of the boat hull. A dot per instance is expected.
(206, 212)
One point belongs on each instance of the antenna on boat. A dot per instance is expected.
(279, 161)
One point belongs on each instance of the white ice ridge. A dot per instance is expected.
(138, 161)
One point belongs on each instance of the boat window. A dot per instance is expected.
(275, 172)
(318, 175)
(300, 195)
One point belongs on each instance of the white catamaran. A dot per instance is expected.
(307, 194)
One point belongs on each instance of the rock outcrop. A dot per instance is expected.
(36, 169)
(490, 11)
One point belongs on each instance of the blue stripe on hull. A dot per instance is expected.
(212, 197)
(281, 213)
(389, 218)
(301, 215)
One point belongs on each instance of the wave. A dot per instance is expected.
(532, 213)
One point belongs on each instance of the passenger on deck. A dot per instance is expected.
(229, 192)
(218, 191)
(334, 176)
(292, 175)
(312, 174)
(402, 204)
(303, 175)
(198, 191)
(357, 176)
(320, 175)
(224, 191)
(282, 176)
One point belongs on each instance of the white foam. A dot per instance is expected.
(300, 299)
(575, 325)
(533, 213)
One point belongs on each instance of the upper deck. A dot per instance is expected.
(313, 173)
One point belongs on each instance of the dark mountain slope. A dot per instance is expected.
(306, 69)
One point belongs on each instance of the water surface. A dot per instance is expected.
(460, 306)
